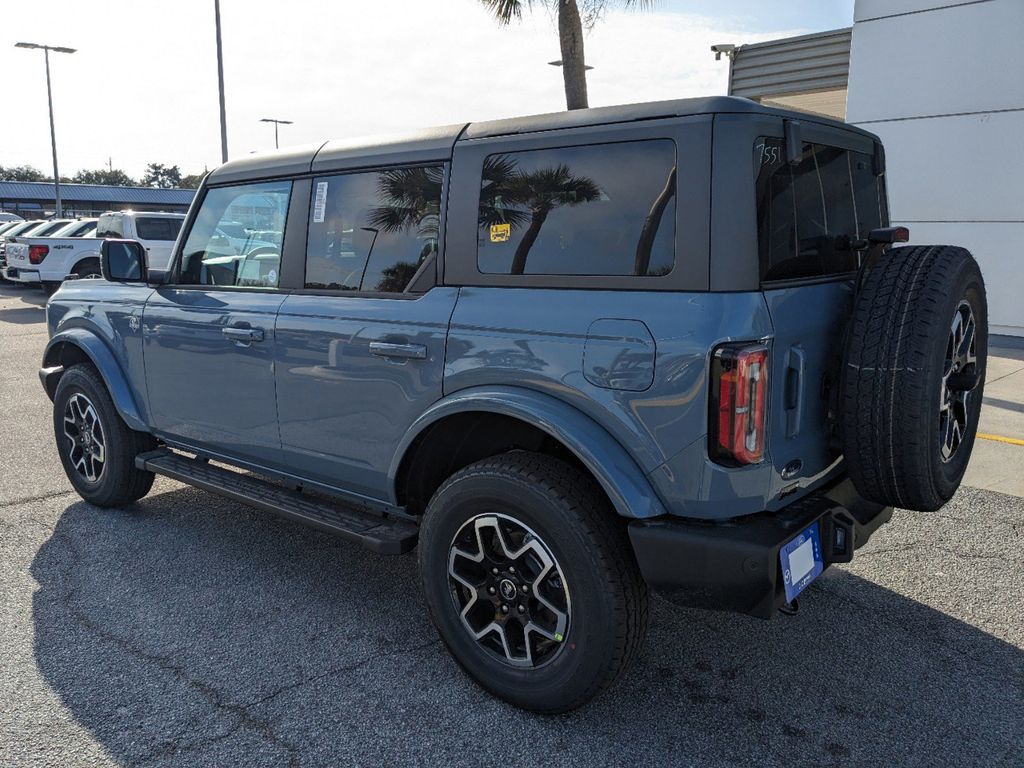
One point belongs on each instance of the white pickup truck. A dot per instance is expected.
(49, 260)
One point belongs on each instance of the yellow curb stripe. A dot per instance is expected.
(1000, 439)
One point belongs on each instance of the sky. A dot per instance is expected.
(142, 87)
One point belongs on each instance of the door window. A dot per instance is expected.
(607, 209)
(373, 232)
(220, 252)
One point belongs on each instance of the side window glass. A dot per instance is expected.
(809, 213)
(226, 255)
(373, 232)
(157, 228)
(598, 210)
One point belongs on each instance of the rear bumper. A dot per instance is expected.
(21, 275)
(734, 566)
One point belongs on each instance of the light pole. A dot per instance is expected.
(49, 98)
(276, 123)
(220, 85)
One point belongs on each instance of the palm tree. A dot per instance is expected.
(540, 192)
(571, 24)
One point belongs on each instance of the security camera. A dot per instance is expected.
(727, 48)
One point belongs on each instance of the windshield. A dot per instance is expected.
(48, 228)
(809, 212)
(8, 226)
(76, 229)
(23, 227)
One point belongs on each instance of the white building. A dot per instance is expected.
(942, 83)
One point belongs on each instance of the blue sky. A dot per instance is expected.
(755, 15)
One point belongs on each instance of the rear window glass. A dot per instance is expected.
(607, 209)
(110, 226)
(154, 228)
(809, 213)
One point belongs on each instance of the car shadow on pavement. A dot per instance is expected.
(190, 630)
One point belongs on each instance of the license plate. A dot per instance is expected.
(801, 561)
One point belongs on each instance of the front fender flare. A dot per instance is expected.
(615, 470)
(104, 361)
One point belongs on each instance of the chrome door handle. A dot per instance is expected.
(243, 335)
(391, 349)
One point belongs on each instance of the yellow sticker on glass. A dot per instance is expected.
(500, 232)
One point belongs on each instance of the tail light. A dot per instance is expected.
(739, 386)
(36, 253)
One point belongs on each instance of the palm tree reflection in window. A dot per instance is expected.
(410, 201)
(521, 199)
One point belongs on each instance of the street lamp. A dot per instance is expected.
(220, 85)
(49, 98)
(276, 123)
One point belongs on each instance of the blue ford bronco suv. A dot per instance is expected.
(574, 359)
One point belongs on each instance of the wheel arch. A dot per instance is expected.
(78, 345)
(82, 258)
(528, 416)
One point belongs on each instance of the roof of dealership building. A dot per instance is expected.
(95, 193)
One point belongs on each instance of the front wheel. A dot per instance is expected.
(531, 581)
(96, 447)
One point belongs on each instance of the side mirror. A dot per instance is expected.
(123, 261)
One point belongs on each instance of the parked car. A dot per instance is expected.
(573, 358)
(156, 232)
(4, 226)
(47, 261)
(69, 250)
(40, 227)
(78, 228)
(5, 217)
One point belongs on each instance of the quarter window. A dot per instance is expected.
(809, 213)
(222, 255)
(597, 210)
(373, 232)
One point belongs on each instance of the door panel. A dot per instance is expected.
(353, 373)
(210, 369)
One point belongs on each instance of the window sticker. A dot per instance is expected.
(320, 203)
(500, 233)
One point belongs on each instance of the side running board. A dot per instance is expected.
(380, 533)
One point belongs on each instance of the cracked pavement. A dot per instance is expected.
(189, 630)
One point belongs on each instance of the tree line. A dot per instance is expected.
(156, 175)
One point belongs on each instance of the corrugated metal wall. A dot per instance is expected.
(795, 65)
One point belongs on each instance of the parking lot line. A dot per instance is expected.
(1000, 439)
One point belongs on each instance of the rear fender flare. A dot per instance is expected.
(615, 470)
(104, 362)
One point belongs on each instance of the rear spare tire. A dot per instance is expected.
(913, 376)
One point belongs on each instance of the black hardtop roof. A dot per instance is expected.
(435, 144)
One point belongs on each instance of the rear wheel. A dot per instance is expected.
(531, 581)
(914, 376)
(88, 269)
(96, 447)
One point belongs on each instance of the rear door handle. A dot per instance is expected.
(392, 349)
(243, 335)
(795, 374)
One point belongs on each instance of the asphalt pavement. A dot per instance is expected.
(189, 630)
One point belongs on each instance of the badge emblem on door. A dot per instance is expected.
(133, 323)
